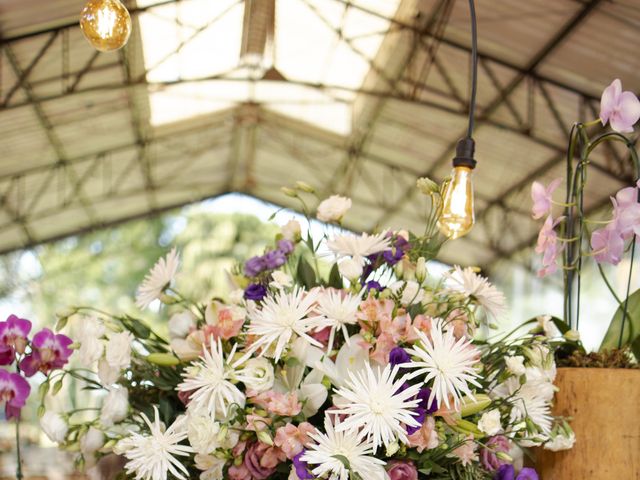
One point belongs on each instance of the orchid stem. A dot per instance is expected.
(19, 475)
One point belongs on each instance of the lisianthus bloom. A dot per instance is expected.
(488, 456)
(14, 391)
(508, 472)
(255, 292)
(292, 440)
(332, 209)
(620, 109)
(223, 321)
(13, 337)
(50, 351)
(402, 470)
(548, 246)
(261, 460)
(541, 197)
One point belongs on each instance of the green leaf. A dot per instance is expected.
(560, 325)
(335, 279)
(635, 347)
(631, 325)
(306, 274)
(135, 326)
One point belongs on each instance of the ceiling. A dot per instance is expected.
(359, 97)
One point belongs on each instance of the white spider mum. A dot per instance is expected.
(152, 456)
(358, 246)
(281, 317)
(158, 279)
(445, 361)
(210, 381)
(528, 400)
(376, 406)
(338, 311)
(327, 455)
(478, 288)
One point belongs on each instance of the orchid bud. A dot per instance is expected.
(572, 335)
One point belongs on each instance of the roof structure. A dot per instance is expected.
(353, 96)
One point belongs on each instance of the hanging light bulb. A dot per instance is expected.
(106, 24)
(457, 217)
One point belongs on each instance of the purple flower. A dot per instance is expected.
(402, 470)
(285, 246)
(541, 197)
(252, 461)
(254, 266)
(274, 259)
(424, 395)
(620, 109)
(373, 285)
(395, 254)
(302, 470)
(507, 472)
(14, 390)
(398, 355)
(50, 351)
(488, 457)
(421, 414)
(13, 337)
(255, 291)
(607, 244)
(626, 211)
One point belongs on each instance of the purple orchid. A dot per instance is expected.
(14, 391)
(13, 338)
(255, 291)
(50, 351)
(548, 246)
(620, 109)
(541, 197)
(626, 211)
(607, 244)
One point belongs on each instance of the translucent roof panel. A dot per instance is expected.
(317, 43)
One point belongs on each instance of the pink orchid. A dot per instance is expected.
(607, 244)
(13, 338)
(548, 246)
(620, 109)
(50, 351)
(292, 440)
(542, 197)
(14, 391)
(626, 211)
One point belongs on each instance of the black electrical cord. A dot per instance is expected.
(474, 68)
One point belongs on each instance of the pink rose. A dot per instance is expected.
(292, 439)
(426, 438)
(402, 470)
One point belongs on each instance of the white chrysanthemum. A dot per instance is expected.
(281, 317)
(528, 400)
(152, 456)
(209, 380)
(376, 405)
(338, 311)
(158, 279)
(358, 246)
(479, 288)
(324, 456)
(445, 361)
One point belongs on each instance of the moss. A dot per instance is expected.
(615, 358)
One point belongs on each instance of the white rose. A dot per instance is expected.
(291, 231)
(333, 208)
(561, 442)
(54, 427)
(490, 422)
(119, 350)
(106, 373)
(281, 280)
(115, 406)
(203, 432)
(515, 365)
(350, 268)
(411, 294)
(181, 324)
(91, 441)
(89, 331)
(257, 374)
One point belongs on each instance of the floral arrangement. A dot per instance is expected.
(572, 238)
(338, 359)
